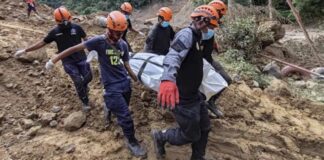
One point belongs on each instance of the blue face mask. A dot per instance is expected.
(208, 35)
(127, 16)
(165, 24)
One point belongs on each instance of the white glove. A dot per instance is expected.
(141, 33)
(49, 65)
(19, 53)
(92, 55)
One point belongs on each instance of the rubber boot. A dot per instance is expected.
(159, 143)
(136, 148)
(214, 109)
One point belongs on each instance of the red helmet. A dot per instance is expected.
(61, 14)
(116, 21)
(207, 12)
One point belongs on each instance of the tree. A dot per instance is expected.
(298, 18)
(270, 9)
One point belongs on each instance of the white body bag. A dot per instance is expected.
(149, 68)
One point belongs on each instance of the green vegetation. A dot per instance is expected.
(310, 10)
(242, 41)
(91, 6)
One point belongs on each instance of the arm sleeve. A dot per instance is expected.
(172, 33)
(124, 48)
(177, 53)
(92, 43)
(149, 43)
(82, 32)
(50, 37)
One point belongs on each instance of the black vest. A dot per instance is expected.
(208, 49)
(190, 74)
(161, 44)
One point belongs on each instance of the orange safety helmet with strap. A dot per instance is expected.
(208, 12)
(117, 21)
(126, 7)
(61, 14)
(166, 13)
(219, 5)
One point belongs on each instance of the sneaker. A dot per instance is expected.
(86, 108)
(158, 144)
(136, 148)
(215, 110)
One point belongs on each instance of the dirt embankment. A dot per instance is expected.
(269, 124)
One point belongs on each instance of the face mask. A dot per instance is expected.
(65, 25)
(127, 16)
(165, 24)
(208, 35)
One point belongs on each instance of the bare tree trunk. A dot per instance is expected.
(297, 16)
(230, 9)
(270, 9)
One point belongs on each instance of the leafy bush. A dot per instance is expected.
(242, 40)
(243, 35)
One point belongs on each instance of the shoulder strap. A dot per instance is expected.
(195, 37)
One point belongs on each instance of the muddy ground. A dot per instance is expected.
(274, 123)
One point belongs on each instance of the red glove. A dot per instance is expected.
(168, 94)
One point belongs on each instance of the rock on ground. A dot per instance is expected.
(46, 118)
(27, 123)
(74, 121)
(33, 131)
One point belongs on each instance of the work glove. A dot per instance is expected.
(92, 55)
(19, 53)
(49, 65)
(141, 33)
(168, 95)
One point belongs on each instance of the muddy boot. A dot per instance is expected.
(136, 148)
(214, 109)
(159, 143)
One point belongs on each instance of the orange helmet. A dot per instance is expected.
(219, 5)
(116, 21)
(207, 12)
(166, 13)
(126, 7)
(61, 14)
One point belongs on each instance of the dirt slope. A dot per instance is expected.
(269, 124)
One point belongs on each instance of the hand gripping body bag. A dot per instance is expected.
(149, 68)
